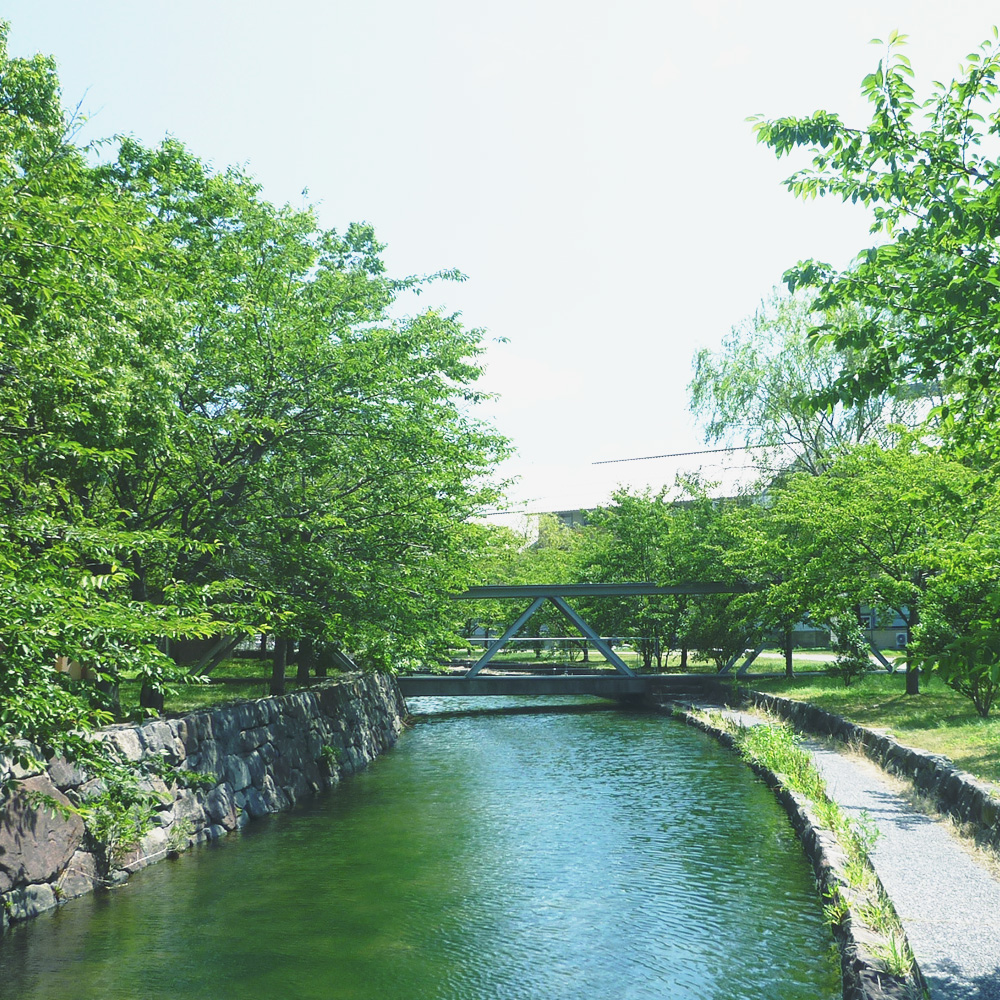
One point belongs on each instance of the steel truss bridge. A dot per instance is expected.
(622, 682)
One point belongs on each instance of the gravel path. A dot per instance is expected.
(947, 900)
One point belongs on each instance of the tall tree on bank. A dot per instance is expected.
(208, 419)
(70, 264)
(926, 294)
(330, 447)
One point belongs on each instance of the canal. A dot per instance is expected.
(569, 854)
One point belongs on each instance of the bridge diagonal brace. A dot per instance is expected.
(881, 659)
(609, 654)
(502, 641)
(745, 665)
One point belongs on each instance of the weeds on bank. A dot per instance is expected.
(776, 746)
(895, 955)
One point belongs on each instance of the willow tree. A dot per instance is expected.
(766, 388)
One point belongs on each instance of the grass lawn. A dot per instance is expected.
(938, 719)
(251, 680)
(768, 661)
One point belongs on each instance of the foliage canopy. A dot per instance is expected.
(927, 294)
(213, 420)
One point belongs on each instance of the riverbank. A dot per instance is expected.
(938, 720)
(246, 760)
(944, 894)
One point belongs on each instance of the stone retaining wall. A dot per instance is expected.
(258, 757)
(953, 791)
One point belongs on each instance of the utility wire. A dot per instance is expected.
(684, 454)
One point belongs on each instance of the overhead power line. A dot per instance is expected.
(683, 454)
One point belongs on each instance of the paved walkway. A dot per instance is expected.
(947, 899)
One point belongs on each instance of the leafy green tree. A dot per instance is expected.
(659, 538)
(868, 531)
(637, 540)
(211, 418)
(959, 634)
(546, 552)
(851, 646)
(927, 292)
(68, 315)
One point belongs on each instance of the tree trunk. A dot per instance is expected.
(323, 659)
(683, 665)
(788, 652)
(306, 657)
(112, 697)
(278, 665)
(912, 670)
(150, 697)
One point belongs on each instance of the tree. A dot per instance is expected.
(927, 294)
(326, 445)
(211, 419)
(960, 631)
(546, 552)
(869, 531)
(68, 260)
(759, 390)
(669, 540)
(635, 541)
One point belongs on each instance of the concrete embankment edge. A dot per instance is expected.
(862, 973)
(256, 757)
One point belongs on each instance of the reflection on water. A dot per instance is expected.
(564, 855)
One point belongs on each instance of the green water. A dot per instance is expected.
(578, 854)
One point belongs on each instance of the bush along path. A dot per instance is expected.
(946, 897)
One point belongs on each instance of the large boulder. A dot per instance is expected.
(36, 841)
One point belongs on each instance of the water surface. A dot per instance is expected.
(566, 855)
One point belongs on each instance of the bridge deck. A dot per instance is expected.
(602, 685)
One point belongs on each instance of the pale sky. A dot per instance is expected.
(588, 165)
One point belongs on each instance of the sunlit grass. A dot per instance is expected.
(251, 679)
(769, 661)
